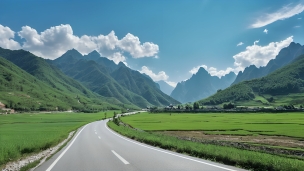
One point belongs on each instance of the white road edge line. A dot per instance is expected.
(120, 158)
(99, 137)
(165, 151)
(58, 158)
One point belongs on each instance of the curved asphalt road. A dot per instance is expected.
(96, 147)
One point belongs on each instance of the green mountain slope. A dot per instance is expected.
(96, 78)
(54, 78)
(21, 91)
(104, 77)
(141, 85)
(283, 86)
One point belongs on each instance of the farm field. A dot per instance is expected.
(22, 134)
(283, 124)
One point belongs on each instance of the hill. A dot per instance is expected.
(282, 87)
(285, 56)
(104, 77)
(201, 85)
(22, 91)
(55, 79)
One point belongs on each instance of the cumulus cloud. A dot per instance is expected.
(281, 14)
(265, 31)
(131, 44)
(55, 41)
(259, 55)
(117, 57)
(240, 44)
(155, 77)
(296, 26)
(212, 70)
(6, 38)
(299, 18)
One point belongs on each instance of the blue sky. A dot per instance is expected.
(168, 40)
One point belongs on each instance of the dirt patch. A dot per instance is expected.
(253, 143)
(2, 105)
(259, 139)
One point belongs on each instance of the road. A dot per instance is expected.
(96, 147)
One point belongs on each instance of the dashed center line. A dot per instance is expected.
(120, 158)
(99, 137)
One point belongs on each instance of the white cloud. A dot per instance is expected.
(131, 44)
(55, 41)
(252, 55)
(117, 57)
(6, 38)
(212, 70)
(281, 14)
(171, 83)
(299, 18)
(265, 31)
(296, 26)
(240, 44)
(155, 77)
(259, 55)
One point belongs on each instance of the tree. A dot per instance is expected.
(195, 105)
(229, 106)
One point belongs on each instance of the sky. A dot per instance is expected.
(167, 40)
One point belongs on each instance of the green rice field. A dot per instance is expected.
(22, 134)
(280, 124)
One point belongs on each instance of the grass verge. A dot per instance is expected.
(227, 155)
(30, 165)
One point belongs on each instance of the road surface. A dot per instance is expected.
(95, 147)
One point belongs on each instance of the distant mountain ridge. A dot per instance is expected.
(201, 85)
(283, 86)
(285, 56)
(104, 77)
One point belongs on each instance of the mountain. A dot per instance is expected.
(142, 85)
(104, 77)
(22, 91)
(285, 56)
(201, 85)
(165, 87)
(56, 80)
(283, 86)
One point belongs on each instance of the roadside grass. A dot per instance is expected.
(30, 165)
(275, 124)
(24, 134)
(246, 159)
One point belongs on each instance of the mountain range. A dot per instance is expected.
(201, 85)
(281, 87)
(285, 56)
(104, 77)
(28, 83)
(74, 81)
